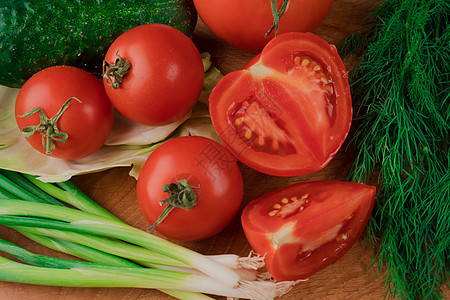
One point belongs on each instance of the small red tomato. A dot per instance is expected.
(289, 111)
(153, 74)
(244, 24)
(305, 227)
(202, 181)
(74, 105)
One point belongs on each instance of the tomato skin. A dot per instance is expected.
(88, 124)
(211, 171)
(165, 78)
(311, 232)
(243, 24)
(281, 117)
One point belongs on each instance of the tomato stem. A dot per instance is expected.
(276, 16)
(49, 127)
(181, 195)
(115, 73)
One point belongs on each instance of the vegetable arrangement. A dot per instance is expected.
(120, 255)
(401, 86)
(287, 112)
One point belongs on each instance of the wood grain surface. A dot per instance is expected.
(350, 278)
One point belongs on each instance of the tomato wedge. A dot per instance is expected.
(289, 110)
(306, 227)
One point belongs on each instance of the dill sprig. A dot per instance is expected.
(401, 88)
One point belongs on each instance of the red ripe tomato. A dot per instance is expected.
(244, 24)
(213, 175)
(164, 78)
(86, 117)
(289, 111)
(306, 227)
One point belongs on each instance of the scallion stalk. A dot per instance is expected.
(52, 217)
(119, 248)
(81, 251)
(67, 241)
(51, 262)
(66, 272)
(106, 276)
(70, 194)
(97, 256)
(13, 188)
(19, 186)
(75, 230)
(37, 259)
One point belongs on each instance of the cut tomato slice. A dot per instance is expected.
(305, 227)
(289, 110)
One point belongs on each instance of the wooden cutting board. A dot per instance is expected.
(349, 278)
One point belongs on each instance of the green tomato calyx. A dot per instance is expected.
(114, 73)
(48, 127)
(276, 16)
(181, 195)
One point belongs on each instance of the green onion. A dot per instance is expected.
(50, 262)
(11, 187)
(106, 276)
(119, 248)
(79, 221)
(86, 230)
(77, 250)
(100, 257)
(18, 185)
(39, 260)
(63, 272)
(57, 263)
(70, 194)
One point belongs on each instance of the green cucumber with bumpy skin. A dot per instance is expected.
(41, 33)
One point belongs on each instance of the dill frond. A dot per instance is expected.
(401, 89)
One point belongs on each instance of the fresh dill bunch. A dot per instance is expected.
(401, 93)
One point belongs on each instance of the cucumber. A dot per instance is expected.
(37, 34)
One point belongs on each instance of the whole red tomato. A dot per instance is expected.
(244, 24)
(159, 74)
(202, 171)
(74, 104)
(306, 227)
(289, 111)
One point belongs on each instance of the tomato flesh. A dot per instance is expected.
(263, 130)
(305, 227)
(289, 110)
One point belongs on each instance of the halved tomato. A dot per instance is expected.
(306, 227)
(289, 110)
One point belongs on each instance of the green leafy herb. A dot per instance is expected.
(401, 89)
